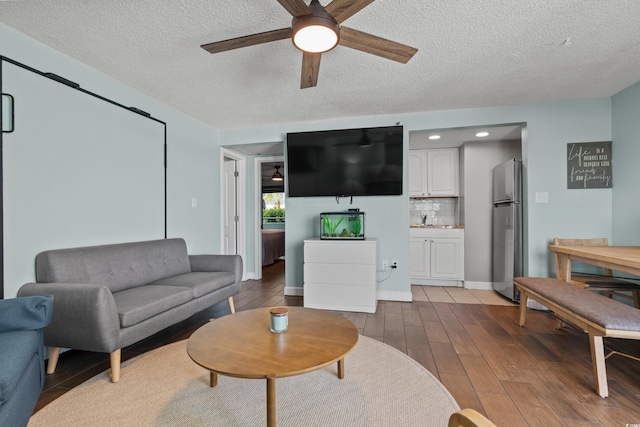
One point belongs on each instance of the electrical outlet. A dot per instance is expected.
(385, 263)
(394, 263)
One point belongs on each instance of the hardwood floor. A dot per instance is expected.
(532, 376)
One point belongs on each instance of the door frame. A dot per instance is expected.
(258, 212)
(241, 231)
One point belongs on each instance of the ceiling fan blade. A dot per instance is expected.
(375, 45)
(310, 69)
(244, 41)
(341, 10)
(295, 7)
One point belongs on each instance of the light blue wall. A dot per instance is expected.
(193, 149)
(194, 159)
(626, 160)
(549, 128)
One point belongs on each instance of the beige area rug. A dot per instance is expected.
(382, 387)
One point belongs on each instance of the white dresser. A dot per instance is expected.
(340, 275)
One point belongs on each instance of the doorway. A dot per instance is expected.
(270, 212)
(481, 148)
(232, 205)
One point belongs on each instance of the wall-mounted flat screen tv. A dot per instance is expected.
(346, 162)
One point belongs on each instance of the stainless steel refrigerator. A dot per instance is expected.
(507, 226)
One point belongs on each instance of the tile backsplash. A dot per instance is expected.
(440, 211)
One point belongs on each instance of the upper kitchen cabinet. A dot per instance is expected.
(433, 173)
(417, 172)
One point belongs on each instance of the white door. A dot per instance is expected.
(230, 213)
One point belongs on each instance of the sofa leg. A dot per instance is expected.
(115, 366)
(231, 306)
(54, 353)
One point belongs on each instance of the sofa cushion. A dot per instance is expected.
(120, 266)
(17, 350)
(202, 283)
(143, 302)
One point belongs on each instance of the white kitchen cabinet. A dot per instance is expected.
(417, 173)
(433, 173)
(442, 172)
(437, 256)
(419, 259)
(340, 275)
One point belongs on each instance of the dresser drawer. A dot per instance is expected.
(347, 252)
(347, 274)
(340, 297)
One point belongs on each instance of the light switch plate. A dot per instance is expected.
(542, 197)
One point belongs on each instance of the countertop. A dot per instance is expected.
(435, 226)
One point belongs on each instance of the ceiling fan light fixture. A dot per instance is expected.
(277, 176)
(317, 32)
(315, 38)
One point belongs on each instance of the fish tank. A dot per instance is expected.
(347, 225)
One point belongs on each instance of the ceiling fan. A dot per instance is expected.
(316, 29)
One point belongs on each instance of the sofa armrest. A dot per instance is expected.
(25, 313)
(84, 317)
(230, 263)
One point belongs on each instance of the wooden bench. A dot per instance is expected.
(599, 316)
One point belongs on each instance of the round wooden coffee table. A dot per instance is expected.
(241, 345)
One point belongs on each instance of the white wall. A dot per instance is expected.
(549, 128)
(626, 157)
(193, 149)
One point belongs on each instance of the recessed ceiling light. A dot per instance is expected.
(482, 134)
(434, 137)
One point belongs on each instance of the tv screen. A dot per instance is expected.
(346, 162)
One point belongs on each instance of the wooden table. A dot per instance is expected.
(618, 258)
(241, 345)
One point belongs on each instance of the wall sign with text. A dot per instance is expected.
(589, 165)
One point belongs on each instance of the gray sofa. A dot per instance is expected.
(21, 357)
(109, 297)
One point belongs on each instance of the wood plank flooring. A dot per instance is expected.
(532, 376)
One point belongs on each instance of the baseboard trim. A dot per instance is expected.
(294, 291)
(437, 282)
(484, 286)
(395, 296)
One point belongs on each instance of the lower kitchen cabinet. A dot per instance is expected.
(340, 275)
(437, 256)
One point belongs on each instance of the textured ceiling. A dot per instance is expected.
(470, 54)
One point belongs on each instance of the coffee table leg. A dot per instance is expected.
(341, 368)
(213, 379)
(271, 401)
